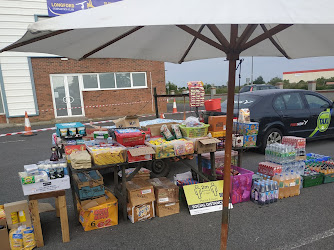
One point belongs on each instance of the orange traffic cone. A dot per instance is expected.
(162, 116)
(174, 107)
(27, 126)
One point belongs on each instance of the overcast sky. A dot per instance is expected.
(216, 70)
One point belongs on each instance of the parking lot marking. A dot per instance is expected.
(309, 240)
(3, 142)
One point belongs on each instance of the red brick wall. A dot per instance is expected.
(43, 67)
(3, 119)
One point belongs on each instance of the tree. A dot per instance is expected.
(259, 80)
(171, 86)
(275, 80)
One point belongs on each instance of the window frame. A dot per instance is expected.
(116, 88)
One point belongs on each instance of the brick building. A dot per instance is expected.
(307, 75)
(49, 87)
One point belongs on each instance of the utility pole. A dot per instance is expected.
(252, 73)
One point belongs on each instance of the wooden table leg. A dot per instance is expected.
(63, 218)
(57, 207)
(213, 166)
(124, 194)
(200, 169)
(36, 222)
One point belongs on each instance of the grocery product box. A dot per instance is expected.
(204, 144)
(140, 153)
(69, 149)
(218, 134)
(105, 214)
(251, 128)
(155, 128)
(217, 123)
(88, 185)
(90, 132)
(14, 215)
(70, 129)
(4, 238)
(140, 212)
(165, 191)
(219, 159)
(127, 121)
(48, 186)
(166, 209)
(108, 154)
(130, 137)
(139, 192)
(249, 141)
(269, 168)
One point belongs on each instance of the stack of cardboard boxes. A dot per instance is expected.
(149, 197)
(98, 207)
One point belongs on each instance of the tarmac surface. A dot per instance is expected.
(304, 222)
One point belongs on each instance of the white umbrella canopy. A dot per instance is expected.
(149, 30)
(177, 31)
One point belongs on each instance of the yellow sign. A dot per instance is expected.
(204, 197)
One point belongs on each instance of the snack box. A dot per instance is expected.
(166, 149)
(108, 154)
(99, 213)
(70, 129)
(217, 123)
(165, 191)
(204, 144)
(140, 212)
(73, 148)
(130, 137)
(140, 153)
(12, 214)
(249, 141)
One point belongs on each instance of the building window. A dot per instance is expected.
(2, 111)
(118, 80)
(90, 81)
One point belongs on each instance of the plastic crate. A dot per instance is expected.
(241, 185)
(194, 132)
(312, 180)
(328, 178)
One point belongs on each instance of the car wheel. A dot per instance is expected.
(273, 135)
(159, 168)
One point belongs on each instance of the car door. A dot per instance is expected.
(295, 116)
(321, 121)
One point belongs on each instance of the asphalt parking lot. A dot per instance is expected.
(305, 221)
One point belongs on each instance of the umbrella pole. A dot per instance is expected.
(228, 148)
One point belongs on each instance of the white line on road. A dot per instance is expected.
(3, 142)
(309, 240)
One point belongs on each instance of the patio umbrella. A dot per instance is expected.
(178, 31)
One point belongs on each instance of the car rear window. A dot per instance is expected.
(245, 101)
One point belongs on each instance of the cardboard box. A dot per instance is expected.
(155, 128)
(73, 148)
(140, 212)
(102, 215)
(49, 186)
(165, 191)
(206, 145)
(217, 123)
(16, 207)
(139, 192)
(142, 153)
(127, 121)
(166, 209)
(237, 141)
(4, 237)
(90, 132)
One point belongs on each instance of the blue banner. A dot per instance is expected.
(61, 7)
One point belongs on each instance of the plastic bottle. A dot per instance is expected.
(272, 191)
(268, 194)
(275, 191)
(298, 184)
(256, 193)
(292, 185)
(281, 186)
(287, 185)
(262, 194)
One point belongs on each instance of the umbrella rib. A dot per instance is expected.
(202, 37)
(191, 45)
(246, 35)
(275, 43)
(111, 42)
(219, 35)
(265, 35)
(20, 44)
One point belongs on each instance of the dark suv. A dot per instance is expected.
(255, 87)
(285, 112)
